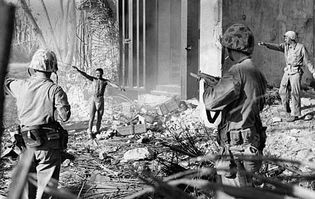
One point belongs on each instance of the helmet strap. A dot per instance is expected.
(31, 72)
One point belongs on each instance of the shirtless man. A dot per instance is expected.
(97, 103)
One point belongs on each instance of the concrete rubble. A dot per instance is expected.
(142, 138)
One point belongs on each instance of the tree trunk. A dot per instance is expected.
(7, 15)
(72, 33)
(52, 31)
(65, 29)
(36, 28)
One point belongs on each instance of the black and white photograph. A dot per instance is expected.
(157, 99)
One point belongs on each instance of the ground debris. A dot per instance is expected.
(166, 144)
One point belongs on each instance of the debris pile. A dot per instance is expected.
(143, 147)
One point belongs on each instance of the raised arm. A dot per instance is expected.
(89, 77)
(277, 47)
(115, 85)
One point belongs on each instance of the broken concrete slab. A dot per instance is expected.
(139, 128)
(138, 154)
(125, 130)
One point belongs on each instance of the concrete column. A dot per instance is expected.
(210, 47)
(210, 31)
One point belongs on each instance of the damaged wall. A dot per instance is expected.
(269, 20)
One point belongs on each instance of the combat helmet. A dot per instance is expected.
(238, 37)
(291, 35)
(44, 60)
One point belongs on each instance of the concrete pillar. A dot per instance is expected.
(210, 47)
(210, 31)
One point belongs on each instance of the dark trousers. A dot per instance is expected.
(46, 166)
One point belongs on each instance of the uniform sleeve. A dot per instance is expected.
(277, 47)
(224, 93)
(12, 86)
(306, 60)
(62, 106)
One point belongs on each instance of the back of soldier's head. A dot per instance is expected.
(44, 60)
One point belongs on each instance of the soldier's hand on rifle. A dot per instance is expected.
(260, 43)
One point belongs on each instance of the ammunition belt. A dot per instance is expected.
(42, 137)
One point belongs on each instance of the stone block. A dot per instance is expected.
(140, 128)
(125, 130)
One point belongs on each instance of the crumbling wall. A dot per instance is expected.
(269, 20)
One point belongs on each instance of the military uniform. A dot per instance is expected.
(40, 105)
(239, 96)
(296, 56)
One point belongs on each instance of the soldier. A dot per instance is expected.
(239, 95)
(97, 103)
(41, 104)
(296, 56)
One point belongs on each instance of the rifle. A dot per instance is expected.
(209, 79)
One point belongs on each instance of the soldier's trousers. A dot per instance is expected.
(232, 172)
(46, 166)
(290, 88)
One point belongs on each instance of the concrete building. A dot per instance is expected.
(162, 41)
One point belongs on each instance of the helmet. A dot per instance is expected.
(238, 37)
(44, 60)
(291, 35)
